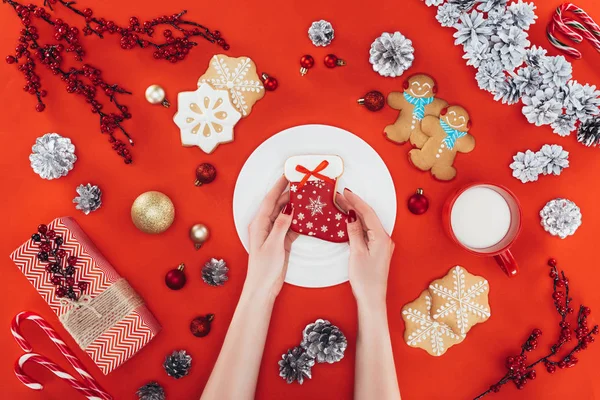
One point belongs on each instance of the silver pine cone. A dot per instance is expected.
(295, 365)
(321, 33)
(178, 364)
(214, 272)
(52, 156)
(324, 341)
(560, 217)
(89, 199)
(391, 54)
(151, 391)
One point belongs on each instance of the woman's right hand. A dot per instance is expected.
(371, 250)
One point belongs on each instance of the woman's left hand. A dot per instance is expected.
(270, 242)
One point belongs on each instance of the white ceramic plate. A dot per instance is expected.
(314, 262)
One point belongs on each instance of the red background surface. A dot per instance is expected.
(274, 35)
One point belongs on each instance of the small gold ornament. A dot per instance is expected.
(156, 95)
(152, 212)
(199, 234)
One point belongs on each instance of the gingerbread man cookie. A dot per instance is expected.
(313, 181)
(446, 136)
(460, 300)
(422, 331)
(238, 76)
(417, 101)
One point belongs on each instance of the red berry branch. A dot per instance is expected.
(518, 370)
(87, 80)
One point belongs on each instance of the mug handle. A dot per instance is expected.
(507, 262)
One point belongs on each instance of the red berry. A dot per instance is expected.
(61, 253)
(50, 234)
(552, 262)
(42, 229)
(72, 260)
(82, 286)
(11, 60)
(87, 12)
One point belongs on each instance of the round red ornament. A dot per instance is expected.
(269, 82)
(205, 173)
(418, 203)
(200, 326)
(175, 278)
(306, 62)
(332, 61)
(373, 101)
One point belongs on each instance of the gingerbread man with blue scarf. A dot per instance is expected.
(417, 101)
(446, 136)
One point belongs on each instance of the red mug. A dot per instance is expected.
(478, 212)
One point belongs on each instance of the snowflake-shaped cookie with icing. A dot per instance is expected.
(205, 117)
(238, 76)
(422, 331)
(460, 300)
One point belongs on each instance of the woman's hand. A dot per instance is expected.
(270, 242)
(371, 251)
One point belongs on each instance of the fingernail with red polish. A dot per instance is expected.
(287, 210)
(351, 216)
(349, 190)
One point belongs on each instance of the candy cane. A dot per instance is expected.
(567, 26)
(64, 349)
(55, 369)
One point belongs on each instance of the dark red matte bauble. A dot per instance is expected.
(200, 326)
(175, 278)
(373, 101)
(205, 173)
(418, 203)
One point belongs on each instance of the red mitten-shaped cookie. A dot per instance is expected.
(313, 181)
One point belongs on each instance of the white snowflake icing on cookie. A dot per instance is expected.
(316, 206)
(428, 329)
(309, 225)
(293, 188)
(341, 234)
(323, 229)
(300, 216)
(338, 216)
(459, 300)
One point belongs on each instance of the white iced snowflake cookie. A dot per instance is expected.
(238, 76)
(205, 117)
(460, 300)
(423, 332)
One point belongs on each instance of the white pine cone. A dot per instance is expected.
(324, 341)
(214, 272)
(53, 156)
(526, 166)
(391, 54)
(295, 365)
(553, 159)
(321, 33)
(89, 199)
(561, 217)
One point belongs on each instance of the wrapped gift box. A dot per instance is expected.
(111, 338)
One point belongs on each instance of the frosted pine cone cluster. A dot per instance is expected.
(214, 272)
(321, 33)
(549, 160)
(561, 217)
(89, 198)
(322, 342)
(391, 54)
(495, 38)
(52, 156)
(178, 364)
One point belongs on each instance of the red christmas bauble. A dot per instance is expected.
(332, 61)
(306, 62)
(269, 82)
(205, 173)
(175, 278)
(373, 101)
(200, 326)
(418, 203)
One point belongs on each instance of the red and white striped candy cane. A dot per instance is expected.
(575, 30)
(56, 370)
(62, 346)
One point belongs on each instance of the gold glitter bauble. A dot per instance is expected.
(152, 212)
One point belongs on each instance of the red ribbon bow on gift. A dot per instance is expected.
(315, 172)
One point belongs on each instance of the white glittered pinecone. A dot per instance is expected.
(295, 365)
(178, 364)
(324, 341)
(391, 54)
(561, 217)
(53, 156)
(89, 199)
(151, 391)
(214, 272)
(321, 33)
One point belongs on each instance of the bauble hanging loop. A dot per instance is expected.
(199, 234)
(269, 82)
(332, 61)
(306, 62)
(373, 101)
(155, 94)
